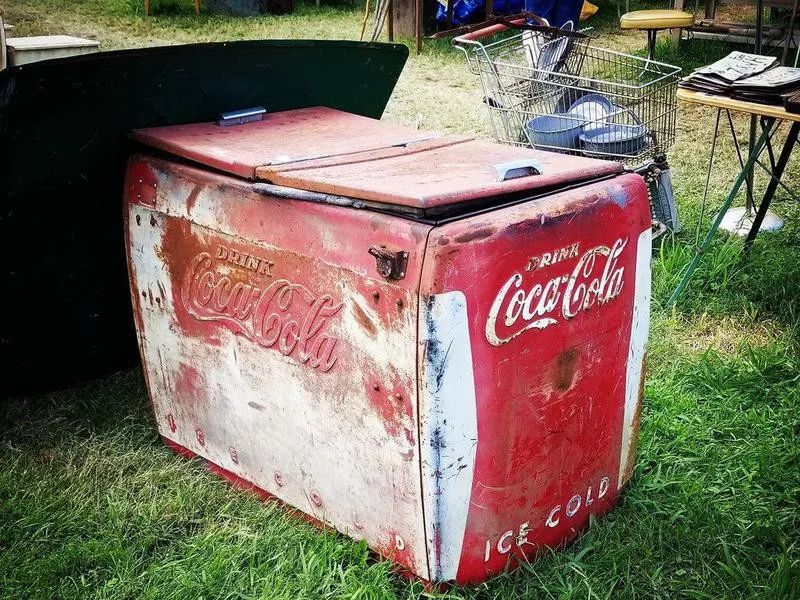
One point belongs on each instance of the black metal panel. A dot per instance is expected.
(66, 312)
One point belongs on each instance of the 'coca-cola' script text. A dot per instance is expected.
(595, 280)
(284, 316)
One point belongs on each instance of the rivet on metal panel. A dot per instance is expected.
(143, 184)
(278, 479)
(399, 543)
(173, 425)
(390, 264)
(234, 455)
(316, 499)
(201, 437)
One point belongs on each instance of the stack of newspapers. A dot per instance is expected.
(768, 87)
(743, 76)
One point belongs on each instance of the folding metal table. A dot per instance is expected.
(770, 118)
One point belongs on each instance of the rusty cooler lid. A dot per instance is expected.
(338, 156)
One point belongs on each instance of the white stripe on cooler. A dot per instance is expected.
(449, 434)
(639, 331)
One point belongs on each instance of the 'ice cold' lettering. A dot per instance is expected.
(519, 536)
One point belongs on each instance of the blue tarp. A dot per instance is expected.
(557, 12)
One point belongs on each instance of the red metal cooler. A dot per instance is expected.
(425, 341)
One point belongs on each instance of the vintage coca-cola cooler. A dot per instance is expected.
(425, 341)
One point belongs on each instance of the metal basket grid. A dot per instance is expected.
(540, 74)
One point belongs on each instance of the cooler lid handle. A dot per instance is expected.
(239, 117)
(518, 168)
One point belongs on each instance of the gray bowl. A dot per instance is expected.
(555, 131)
(625, 140)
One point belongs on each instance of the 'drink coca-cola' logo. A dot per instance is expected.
(284, 316)
(594, 280)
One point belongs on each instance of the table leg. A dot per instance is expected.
(757, 45)
(751, 159)
(751, 144)
(708, 177)
(776, 175)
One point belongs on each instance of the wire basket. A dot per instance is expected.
(551, 89)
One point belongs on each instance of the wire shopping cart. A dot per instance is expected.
(551, 89)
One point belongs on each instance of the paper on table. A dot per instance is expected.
(738, 65)
(779, 77)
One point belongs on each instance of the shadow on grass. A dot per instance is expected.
(94, 408)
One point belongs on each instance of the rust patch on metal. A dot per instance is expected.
(475, 234)
(189, 383)
(409, 436)
(191, 200)
(142, 184)
(636, 425)
(565, 369)
(396, 548)
(363, 319)
(396, 411)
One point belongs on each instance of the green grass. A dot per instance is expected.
(92, 505)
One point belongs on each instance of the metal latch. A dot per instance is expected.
(390, 264)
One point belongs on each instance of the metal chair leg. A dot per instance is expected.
(651, 44)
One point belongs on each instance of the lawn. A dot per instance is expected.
(92, 505)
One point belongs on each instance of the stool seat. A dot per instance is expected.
(654, 20)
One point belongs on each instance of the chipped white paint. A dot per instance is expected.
(639, 331)
(449, 429)
(255, 407)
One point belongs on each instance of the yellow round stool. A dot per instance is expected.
(653, 21)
